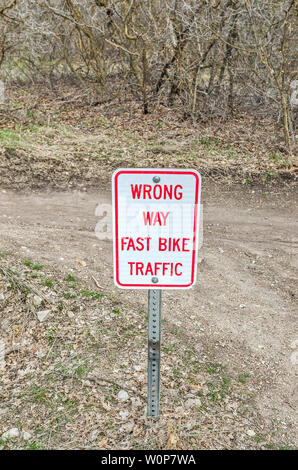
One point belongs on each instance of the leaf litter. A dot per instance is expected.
(61, 379)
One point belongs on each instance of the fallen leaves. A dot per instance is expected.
(58, 395)
(172, 442)
(102, 444)
(81, 262)
(195, 387)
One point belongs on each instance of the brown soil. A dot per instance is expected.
(240, 319)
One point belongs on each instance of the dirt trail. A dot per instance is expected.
(243, 309)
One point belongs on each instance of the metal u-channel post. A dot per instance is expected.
(154, 336)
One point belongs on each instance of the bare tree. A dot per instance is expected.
(205, 58)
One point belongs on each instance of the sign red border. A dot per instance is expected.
(174, 172)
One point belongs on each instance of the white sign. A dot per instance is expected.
(155, 224)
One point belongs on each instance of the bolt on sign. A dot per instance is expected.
(156, 219)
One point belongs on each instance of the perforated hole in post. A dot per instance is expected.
(153, 352)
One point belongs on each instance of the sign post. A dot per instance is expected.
(156, 220)
(154, 337)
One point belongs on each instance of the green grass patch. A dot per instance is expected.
(37, 267)
(279, 159)
(9, 136)
(27, 263)
(69, 295)
(48, 283)
(242, 378)
(214, 368)
(87, 293)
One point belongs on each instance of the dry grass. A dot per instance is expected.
(61, 377)
(57, 141)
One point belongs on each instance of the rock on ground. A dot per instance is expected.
(122, 395)
(42, 315)
(11, 433)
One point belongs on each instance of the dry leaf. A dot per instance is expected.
(195, 387)
(102, 443)
(172, 441)
(79, 261)
(106, 406)
(137, 431)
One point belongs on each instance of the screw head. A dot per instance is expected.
(154, 280)
(156, 179)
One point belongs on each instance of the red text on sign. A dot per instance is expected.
(148, 191)
(128, 243)
(173, 244)
(159, 218)
(143, 269)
